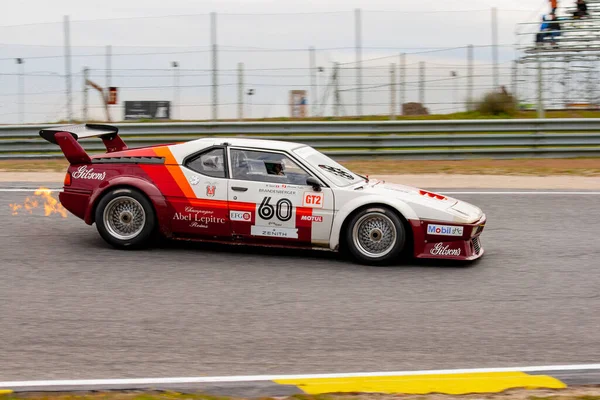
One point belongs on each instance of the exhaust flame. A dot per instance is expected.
(41, 197)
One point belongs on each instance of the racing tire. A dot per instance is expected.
(375, 236)
(126, 219)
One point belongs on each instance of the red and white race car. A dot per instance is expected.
(258, 192)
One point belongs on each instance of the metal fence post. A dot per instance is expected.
(422, 83)
(358, 31)
(21, 73)
(108, 67)
(176, 104)
(495, 47)
(241, 91)
(402, 86)
(312, 64)
(336, 82)
(470, 78)
(540, 88)
(213, 39)
(86, 72)
(68, 68)
(393, 91)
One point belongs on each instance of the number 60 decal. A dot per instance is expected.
(282, 209)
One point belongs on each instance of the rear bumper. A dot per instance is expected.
(464, 247)
(75, 201)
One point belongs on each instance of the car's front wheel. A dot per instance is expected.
(375, 236)
(125, 218)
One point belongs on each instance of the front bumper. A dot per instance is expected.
(464, 247)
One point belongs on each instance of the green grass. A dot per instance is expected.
(459, 115)
(532, 167)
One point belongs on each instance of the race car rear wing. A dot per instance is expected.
(67, 136)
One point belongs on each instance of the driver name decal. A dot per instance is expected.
(313, 200)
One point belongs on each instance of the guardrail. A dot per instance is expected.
(456, 139)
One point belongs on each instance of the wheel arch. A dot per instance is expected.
(147, 189)
(344, 215)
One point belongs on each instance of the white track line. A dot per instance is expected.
(27, 190)
(254, 378)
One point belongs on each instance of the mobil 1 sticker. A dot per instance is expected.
(444, 230)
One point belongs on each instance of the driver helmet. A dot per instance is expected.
(274, 166)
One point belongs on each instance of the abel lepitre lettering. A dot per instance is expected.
(198, 218)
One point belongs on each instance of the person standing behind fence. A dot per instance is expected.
(553, 5)
(541, 35)
(554, 28)
(582, 10)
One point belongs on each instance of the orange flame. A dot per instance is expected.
(42, 196)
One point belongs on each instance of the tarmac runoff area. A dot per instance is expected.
(440, 181)
(567, 379)
(572, 381)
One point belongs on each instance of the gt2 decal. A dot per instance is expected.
(282, 210)
(313, 200)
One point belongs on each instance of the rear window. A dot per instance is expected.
(209, 163)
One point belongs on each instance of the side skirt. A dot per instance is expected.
(248, 244)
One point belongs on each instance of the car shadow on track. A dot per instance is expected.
(303, 254)
(288, 253)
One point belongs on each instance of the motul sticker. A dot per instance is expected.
(313, 200)
(312, 218)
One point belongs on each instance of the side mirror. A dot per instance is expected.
(312, 181)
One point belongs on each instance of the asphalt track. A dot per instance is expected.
(73, 308)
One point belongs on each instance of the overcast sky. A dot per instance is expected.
(34, 11)
(248, 32)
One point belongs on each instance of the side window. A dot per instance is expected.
(263, 166)
(210, 163)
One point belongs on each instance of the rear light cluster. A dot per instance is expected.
(67, 181)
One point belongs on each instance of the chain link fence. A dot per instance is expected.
(363, 63)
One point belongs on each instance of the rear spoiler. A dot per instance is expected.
(67, 136)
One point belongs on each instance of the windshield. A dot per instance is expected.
(335, 172)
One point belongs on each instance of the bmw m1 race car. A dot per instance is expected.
(256, 192)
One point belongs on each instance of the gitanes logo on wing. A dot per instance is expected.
(84, 173)
(445, 230)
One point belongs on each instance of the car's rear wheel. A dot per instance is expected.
(125, 218)
(375, 236)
